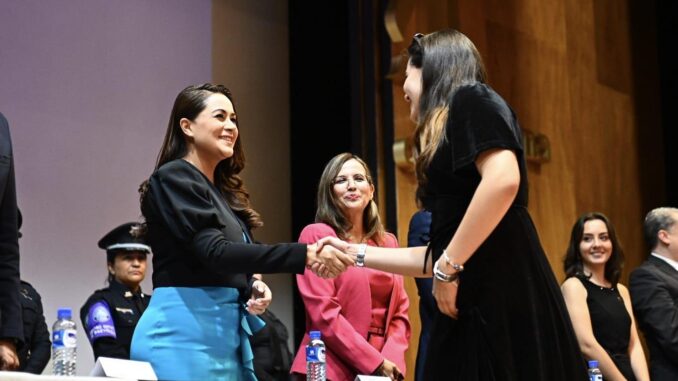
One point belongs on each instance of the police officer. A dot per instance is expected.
(34, 354)
(110, 315)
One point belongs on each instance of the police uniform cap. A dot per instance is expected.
(126, 237)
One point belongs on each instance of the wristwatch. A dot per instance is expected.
(360, 257)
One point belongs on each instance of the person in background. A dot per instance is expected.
(199, 219)
(654, 293)
(362, 313)
(11, 329)
(419, 235)
(110, 315)
(272, 356)
(35, 353)
(600, 306)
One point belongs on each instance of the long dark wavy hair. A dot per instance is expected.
(190, 102)
(448, 60)
(329, 210)
(573, 262)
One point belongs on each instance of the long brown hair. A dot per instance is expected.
(574, 264)
(329, 211)
(190, 102)
(448, 60)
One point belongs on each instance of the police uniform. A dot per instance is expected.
(110, 315)
(35, 352)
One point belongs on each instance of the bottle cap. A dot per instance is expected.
(593, 363)
(314, 335)
(64, 313)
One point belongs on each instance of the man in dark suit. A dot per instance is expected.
(654, 293)
(11, 330)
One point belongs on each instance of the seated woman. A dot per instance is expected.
(600, 306)
(362, 314)
(110, 315)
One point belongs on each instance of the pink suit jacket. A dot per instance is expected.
(341, 309)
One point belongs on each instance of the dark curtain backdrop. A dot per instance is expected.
(339, 54)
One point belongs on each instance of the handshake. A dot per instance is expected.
(330, 256)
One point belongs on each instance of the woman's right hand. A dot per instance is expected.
(389, 369)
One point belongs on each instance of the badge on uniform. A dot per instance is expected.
(124, 310)
(100, 322)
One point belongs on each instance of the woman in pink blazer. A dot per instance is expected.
(362, 314)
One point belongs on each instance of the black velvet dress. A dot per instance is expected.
(513, 323)
(611, 324)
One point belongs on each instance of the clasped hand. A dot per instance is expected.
(329, 257)
(260, 299)
(8, 356)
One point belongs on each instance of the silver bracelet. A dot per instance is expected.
(459, 268)
(360, 257)
(441, 276)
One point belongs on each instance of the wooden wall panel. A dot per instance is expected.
(565, 68)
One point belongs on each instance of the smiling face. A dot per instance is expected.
(595, 246)
(352, 189)
(129, 268)
(214, 131)
(412, 89)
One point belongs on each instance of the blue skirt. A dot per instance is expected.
(196, 333)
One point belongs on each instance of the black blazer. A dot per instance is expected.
(199, 241)
(10, 306)
(654, 294)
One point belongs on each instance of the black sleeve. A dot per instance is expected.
(109, 347)
(216, 251)
(40, 343)
(11, 325)
(180, 199)
(480, 120)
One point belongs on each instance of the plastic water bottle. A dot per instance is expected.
(64, 341)
(594, 373)
(315, 358)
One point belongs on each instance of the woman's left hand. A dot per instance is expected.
(260, 299)
(445, 294)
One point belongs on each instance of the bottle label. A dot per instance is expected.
(64, 338)
(596, 377)
(315, 354)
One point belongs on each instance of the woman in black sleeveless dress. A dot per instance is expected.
(600, 306)
(500, 314)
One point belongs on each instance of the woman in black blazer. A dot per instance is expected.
(198, 218)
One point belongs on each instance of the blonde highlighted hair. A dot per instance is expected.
(448, 60)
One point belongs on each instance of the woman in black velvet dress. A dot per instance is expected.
(501, 315)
